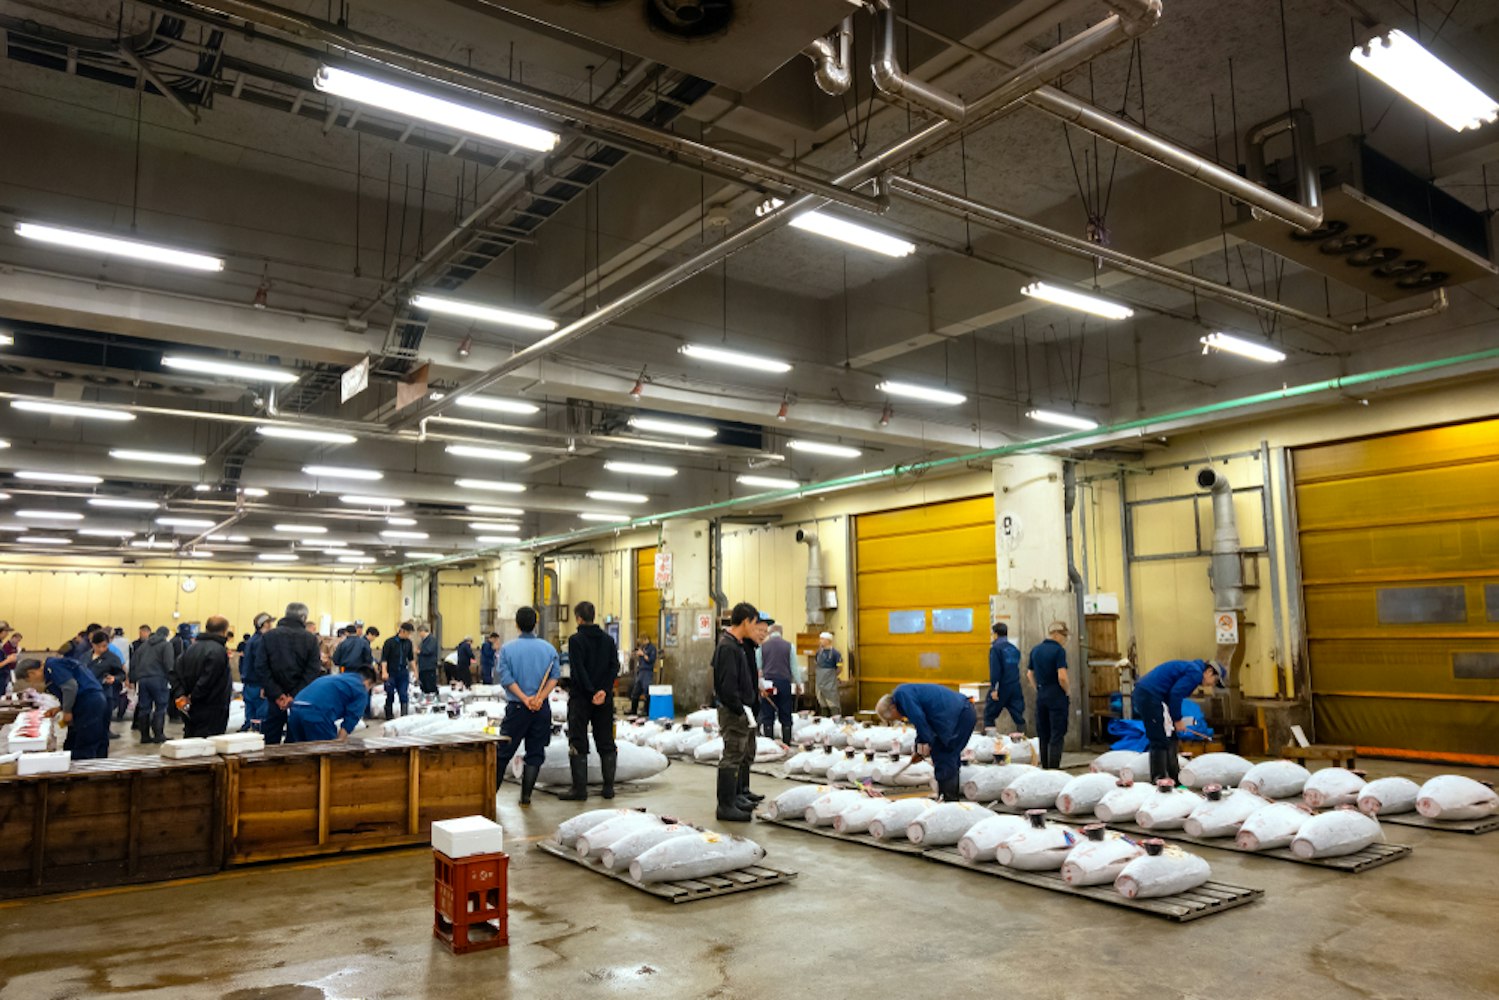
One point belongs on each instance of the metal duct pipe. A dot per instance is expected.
(814, 576)
(1079, 588)
(1227, 569)
(834, 70)
(715, 548)
(1298, 122)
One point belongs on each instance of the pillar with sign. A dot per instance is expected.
(683, 560)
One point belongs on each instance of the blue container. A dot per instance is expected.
(661, 705)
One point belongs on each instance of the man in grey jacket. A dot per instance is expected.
(149, 669)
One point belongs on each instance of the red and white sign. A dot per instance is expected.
(663, 570)
(1226, 624)
(704, 625)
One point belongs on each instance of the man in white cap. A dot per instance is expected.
(828, 660)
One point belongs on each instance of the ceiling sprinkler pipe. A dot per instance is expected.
(834, 70)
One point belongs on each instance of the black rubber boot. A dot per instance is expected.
(1158, 768)
(607, 763)
(579, 791)
(728, 810)
(528, 776)
(786, 733)
(1173, 761)
(744, 788)
(948, 791)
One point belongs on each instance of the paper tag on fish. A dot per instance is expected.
(712, 838)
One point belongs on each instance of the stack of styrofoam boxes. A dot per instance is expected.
(467, 836)
(34, 723)
(192, 747)
(232, 743)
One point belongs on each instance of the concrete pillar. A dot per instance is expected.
(687, 596)
(510, 587)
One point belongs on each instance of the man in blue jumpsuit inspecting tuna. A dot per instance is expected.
(943, 719)
(330, 707)
(1005, 693)
(85, 710)
(1158, 700)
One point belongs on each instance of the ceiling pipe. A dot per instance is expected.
(834, 68)
(1066, 55)
(1298, 122)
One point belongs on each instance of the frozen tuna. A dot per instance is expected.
(1100, 857)
(1388, 797)
(633, 763)
(1042, 846)
(1163, 871)
(983, 837)
(841, 768)
(857, 817)
(1334, 834)
(1083, 793)
(793, 802)
(892, 821)
(864, 765)
(945, 824)
(1138, 770)
(618, 855)
(592, 842)
(1274, 826)
(702, 717)
(1035, 789)
(1123, 801)
(984, 784)
(695, 857)
(767, 750)
(1332, 786)
(797, 762)
(1113, 761)
(709, 750)
(1225, 769)
(820, 760)
(825, 807)
(1276, 779)
(890, 773)
(1222, 812)
(1453, 796)
(689, 741)
(1168, 808)
(568, 833)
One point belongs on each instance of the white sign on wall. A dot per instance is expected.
(355, 380)
(663, 570)
(704, 625)
(1226, 625)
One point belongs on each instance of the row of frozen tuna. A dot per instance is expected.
(631, 764)
(654, 848)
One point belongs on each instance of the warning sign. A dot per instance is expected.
(1226, 625)
(704, 625)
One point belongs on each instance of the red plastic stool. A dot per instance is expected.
(471, 897)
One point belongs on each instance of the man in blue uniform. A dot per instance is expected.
(354, 651)
(943, 719)
(462, 667)
(321, 706)
(85, 711)
(428, 652)
(1005, 694)
(252, 673)
(645, 672)
(489, 656)
(1048, 670)
(1158, 700)
(529, 669)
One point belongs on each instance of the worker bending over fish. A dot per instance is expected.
(943, 719)
(1158, 700)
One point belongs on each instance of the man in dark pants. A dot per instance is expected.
(395, 664)
(252, 673)
(489, 656)
(354, 651)
(529, 669)
(84, 709)
(109, 671)
(293, 660)
(594, 662)
(737, 692)
(462, 668)
(775, 669)
(428, 652)
(1005, 693)
(150, 670)
(645, 673)
(1048, 670)
(943, 719)
(330, 707)
(203, 684)
(1157, 701)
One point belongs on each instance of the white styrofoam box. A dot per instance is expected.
(660, 689)
(973, 692)
(44, 763)
(26, 744)
(467, 836)
(178, 749)
(238, 743)
(1101, 604)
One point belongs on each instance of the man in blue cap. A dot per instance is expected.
(1158, 698)
(529, 669)
(943, 719)
(330, 707)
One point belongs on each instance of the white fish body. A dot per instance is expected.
(1274, 826)
(825, 808)
(797, 763)
(1332, 786)
(618, 855)
(695, 857)
(702, 717)
(1138, 770)
(665, 742)
(891, 822)
(1037, 849)
(632, 764)
(709, 750)
(1035, 789)
(1226, 769)
(906, 742)
(980, 749)
(1453, 796)
(946, 824)
(840, 768)
(640, 734)
(821, 760)
(568, 833)
(983, 837)
(1223, 817)
(1167, 810)
(1335, 834)
(1019, 750)
(793, 803)
(1276, 779)
(1081, 795)
(864, 766)
(1099, 862)
(767, 749)
(913, 776)
(1164, 874)
(857, 817)
(838, 736)
(1123, 801)
(591, 842)
(1112, 761)
(985, 783)
(1388, 797)
(689, 741)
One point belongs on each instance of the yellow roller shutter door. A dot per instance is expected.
(924, 576)
(647, 597)
(1399, 544)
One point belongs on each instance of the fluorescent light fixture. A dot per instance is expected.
(400, 522)
(605, 518)
(67, 478)
(4, 444)
(284, 557)
(151, 253)
(151, 543)
(1244, 348)
(342, 472)
(494, 539)
(640, 469)
(42, 540)
(823, 448)
(330, 543)
(423, 555)
(364, 501)
(341, 551)
(1062, 420)
(479, 508)
(418, 536)
(301, 529)
(740, 359)
(304, 434)
(1406, 66)
(489, 484)
(924, 393)
(479, 311)
(158, 457)
(123, 503)
(50, 515)
(673, 428)
(185, 522)
(202, 488)
(493, 405)
(769, 482)
(488, 454)
(6, 340)
(503, 529)
(228, 369)
(200, 554)
(254, 491)
(854, 234)
(615, 497)
(105, 533)
(359, 560)
(69, 410)
(427, 107)
(1073, 299)
(4, 496)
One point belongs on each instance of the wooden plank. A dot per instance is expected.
(39, 832)
(413, 791)
(682, 890)
(1472, 826)
(133, 860)
(324, 798)
(1372, 856)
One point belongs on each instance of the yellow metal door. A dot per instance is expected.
(924, 576)
(459, 598)
(647, 597)
(1399, 540)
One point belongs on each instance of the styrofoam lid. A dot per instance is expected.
(465, 824)
(660, 689)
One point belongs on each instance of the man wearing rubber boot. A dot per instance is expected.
(776, 670)
(594, 662)
(943, 719)
(1048, 671)
(735, 687)
(1158, 698)
(1005, 693)
(529, 669)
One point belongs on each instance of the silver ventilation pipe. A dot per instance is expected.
(834, 70)
(1227, 571)
(814, 576)
(1298, 122)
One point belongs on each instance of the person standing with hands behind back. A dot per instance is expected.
(1048, 671)
(529, 669)
(594, 662)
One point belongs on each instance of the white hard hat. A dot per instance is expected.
(824, 635)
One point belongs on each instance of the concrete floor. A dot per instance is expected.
(360, 927)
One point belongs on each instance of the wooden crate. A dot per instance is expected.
(110, 822)
(329, 798)
(1103, 635)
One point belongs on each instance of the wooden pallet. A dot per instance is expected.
(1054, 815)
(1203, 901)
(684, 890)
(1486, 825)
(1361, 861)
(864, 839)
(620, 788)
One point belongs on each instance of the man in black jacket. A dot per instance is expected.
(736, 690)
(202, 682)
(293, 660)
(395, 664)
(594, 665)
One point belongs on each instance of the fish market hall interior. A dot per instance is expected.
(559, 499)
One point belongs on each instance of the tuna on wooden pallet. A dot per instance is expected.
(1360, 861)
(901, 846)
(1486, 825)
(685, 890)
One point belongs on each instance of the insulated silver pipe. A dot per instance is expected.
(1227, 573)
(834, 70)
